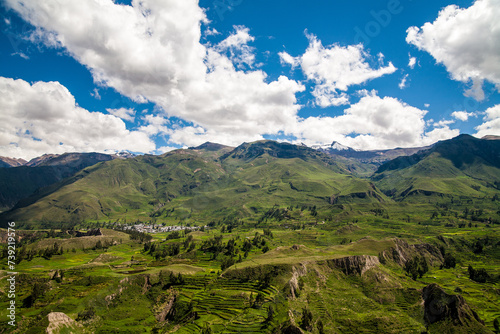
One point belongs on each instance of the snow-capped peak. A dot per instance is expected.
(339, 147)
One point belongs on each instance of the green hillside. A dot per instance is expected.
(461, 167)
(17, 183)
(264, 238)
(201, 182)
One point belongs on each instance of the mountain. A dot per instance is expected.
(462, 166)
(363, 163)
(334, 147)
(17, 183)
(206, 180)
(40, 160)
(490, 137)
(376, 157)
(213, 147)
(11, 162)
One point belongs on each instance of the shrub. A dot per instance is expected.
(449, 261)
(416, 267)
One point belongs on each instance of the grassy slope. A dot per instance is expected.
(384, 298)
(461, 167)
(199, 183)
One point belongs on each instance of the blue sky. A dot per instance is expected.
(150, 76)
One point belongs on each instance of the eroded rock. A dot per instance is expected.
(440, 306)
(355, 265)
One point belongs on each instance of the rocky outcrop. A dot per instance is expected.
(289, 328)
(452, 309)
(294, 281)
(59, 321)
(167, 309)
(348, 229)
(402, 252)
(355, 265)
(56, 275)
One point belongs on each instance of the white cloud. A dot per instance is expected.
(21, 54)
(491, 123)
(211, 32)
(123, 113)
(285, 58)
(443, 123)
(95, 94)
(335, 68)
(402, 84)
(412, 62)
(462, 115)
(165, 149)
(151, 51)
(466, 41)
(374, 123)
(427, 105)
(143, 51)
(236, 44)
(44, 118)
(155, 125)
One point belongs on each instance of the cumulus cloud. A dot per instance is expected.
(44, 118)
(286, 59)
(151, 51)
(462, 115)
(466, 41)
(402, 83)
(335, 68)
(443, 123)
(95, 94)
(123, 113)
(374, 123)
(491, 123)
(412, 62)
(236, 44)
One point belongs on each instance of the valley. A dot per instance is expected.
(266, 237)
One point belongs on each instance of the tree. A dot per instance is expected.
(416, 267)
(449, 261)
(206, 329)
(306, 321)
(37, 291)
(321, 329)
(270, 314)
(226, 263)
(478, 275)
(258, 300)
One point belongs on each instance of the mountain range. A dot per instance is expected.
(18, 182)
(216, 180)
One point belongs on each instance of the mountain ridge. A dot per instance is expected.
(194, 181)
(462, 166)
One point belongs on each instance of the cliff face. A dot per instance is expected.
(442, 309)
(355, 265)
(402, 252)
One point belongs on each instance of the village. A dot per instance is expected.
(159, 228)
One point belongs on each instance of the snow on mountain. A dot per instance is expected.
(335, 146)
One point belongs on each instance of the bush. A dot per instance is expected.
(449, 261)
(86, 314)
(306, 321)
(478, 275)
(226, 263)
(416, 267)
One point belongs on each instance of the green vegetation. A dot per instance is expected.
(288, 241)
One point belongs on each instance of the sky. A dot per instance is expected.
(150, 76)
